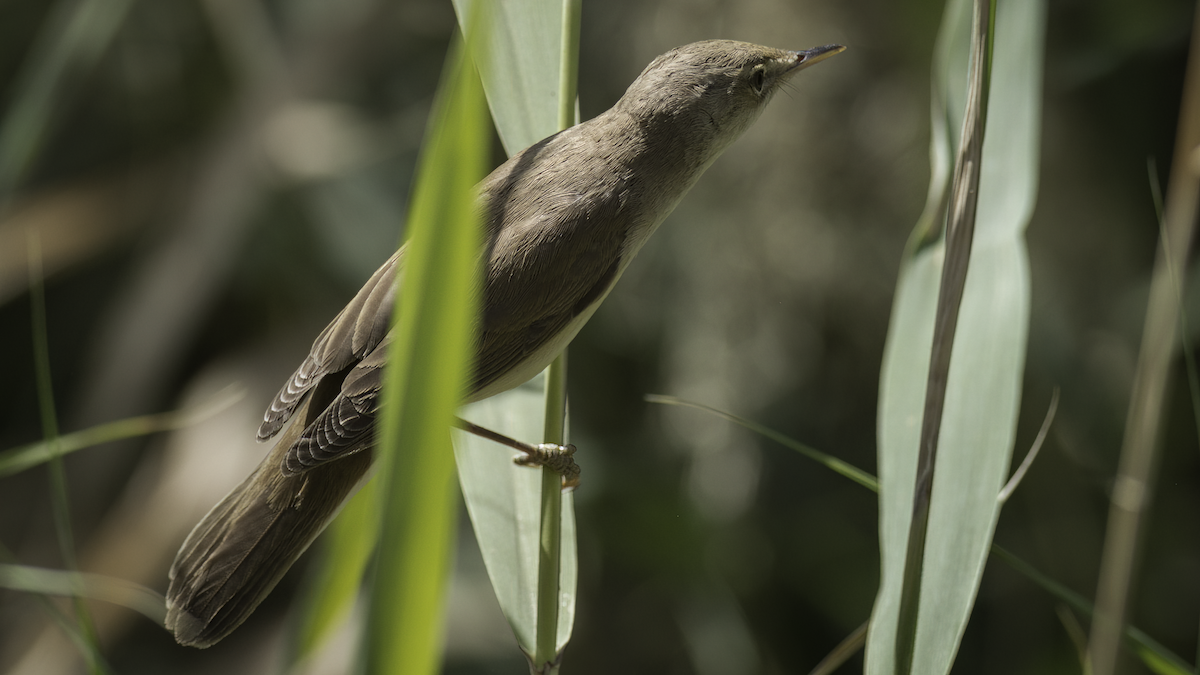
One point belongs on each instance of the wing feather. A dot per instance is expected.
(349, 338)
(558, 252)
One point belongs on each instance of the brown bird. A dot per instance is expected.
(562, 220)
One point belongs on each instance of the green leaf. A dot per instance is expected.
(519, 58)
(504, 502)
(1154, 655)
(428, 362)
(1160, 665)
(84, 585)
(59, 502)
(346, 548)
(989, 349)
(16, 460)
(527, 57)
(828, 461)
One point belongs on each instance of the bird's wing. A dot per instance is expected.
(547, 271)
(555, 255)
(353, 334)
(347, 424)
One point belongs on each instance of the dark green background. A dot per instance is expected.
(703, 549)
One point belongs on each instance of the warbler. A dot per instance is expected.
(561, 221)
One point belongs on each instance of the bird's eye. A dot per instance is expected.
(758, 79)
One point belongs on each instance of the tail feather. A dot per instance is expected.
(244, 546)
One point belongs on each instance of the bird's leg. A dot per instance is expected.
(557, 458)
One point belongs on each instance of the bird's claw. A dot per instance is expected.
(557, 458)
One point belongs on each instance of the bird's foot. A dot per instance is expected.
(557, 458)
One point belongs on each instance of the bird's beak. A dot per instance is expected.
(808, 57)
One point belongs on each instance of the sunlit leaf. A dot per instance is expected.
(503, 500)
(427, 365)
(519, 57)
(346, 548)
(989, 349)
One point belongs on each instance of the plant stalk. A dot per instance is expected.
(1133, 487)
(546, 657)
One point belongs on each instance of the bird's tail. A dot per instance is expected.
(243, 547)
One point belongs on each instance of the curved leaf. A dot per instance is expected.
(428, 363)
(983, 391)
(504, 502)
(519, 59)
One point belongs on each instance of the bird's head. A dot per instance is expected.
(715, 88)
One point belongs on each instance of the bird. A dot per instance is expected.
(561, 221)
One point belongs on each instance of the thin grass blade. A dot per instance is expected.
(828, 461)
(16, 460)
(1156, 657)
(84, 585)
(59, 500)
(1136, 473)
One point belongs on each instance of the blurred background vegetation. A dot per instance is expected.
(219, 177)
